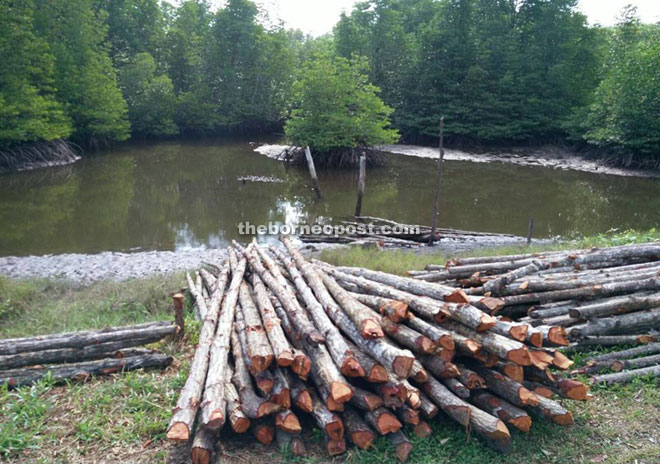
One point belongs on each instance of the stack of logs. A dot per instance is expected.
(605, 297)
(387, 233)
(362, 352)
(79, 355)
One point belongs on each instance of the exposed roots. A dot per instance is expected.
(37, 154)
(339, 158)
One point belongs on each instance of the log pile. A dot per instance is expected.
(79, 355)
(362, 353)
(607, 297)
(369, 230)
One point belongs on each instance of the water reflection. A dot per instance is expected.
(186, 194)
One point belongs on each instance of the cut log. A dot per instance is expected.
(627, 376)
(278, 285)
(341, 353)
(423, 429)
(618, 305)
(290, 442)
(457, 388)
(239, 422)
(408, 415)
(539, 389)
(85, 353)
(451, 404)
(287, 422)
(253, 405)
(553, 411)
(280, 345)
(258, 348)
(330, 423)
(402, 446)
(439, 367)
(326, 397)
(427, 407)
(508, 389)
(263, 379)
(359, 432)
(383, 421)
(396, 311)
(516, 331)
(622, 324)
(203, 445)
(507, 412)
(83, 371)
(490, 428)
(281, 392)
(405, 336)
(503, 347)
(149, 332)
(651, 348)
(374, 372)
(365, 400)
(300, 394)
(511, 370)
(613, 340)
(335, 447)
(263, 430)
(469, 378)
(180, 427)
(440, 336)
(418, 373)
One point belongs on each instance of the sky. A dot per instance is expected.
(317, 17)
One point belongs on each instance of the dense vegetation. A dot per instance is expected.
(500, 71)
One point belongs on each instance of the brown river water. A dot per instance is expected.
(186, 194)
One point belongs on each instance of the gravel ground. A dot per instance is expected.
(82, 268)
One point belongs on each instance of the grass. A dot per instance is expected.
(124, 417)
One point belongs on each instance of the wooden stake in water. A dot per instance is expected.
(436, 200)
(530, 230)
(312, 172)
(361, 183)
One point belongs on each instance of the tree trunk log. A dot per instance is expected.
(287, 422)
(364, 400)
(263, 430)
(508, 389)
(359, 432)
(627, 376)
(289, 442)
(281, 392)
(330, 423)
(625, 323)
(457, 388)
(402, 446)
(203, 445)
(259, 351)
(383, 421)
(618, 305)
(423, 430)
(239, 422)
(505, 411)
(503, 347)
(395, 311)
(451, 404)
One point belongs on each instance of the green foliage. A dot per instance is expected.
(335, 107)
(150, 97)
(625, 113)
(84, 75)
(29, 110)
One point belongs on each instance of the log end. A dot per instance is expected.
(265, 384)
(341, 392)
(335, 429)
(402, 451)
(200, 455)
(334, 406)
(487, 322)
(519, 332)
(372, 401)
(178, 432)
(265, 434)
(561, 361)
(288, 422)
(387, 423)
(402, 366)
(425, 345)
(363, 439)
(371, 329)
(514, 372)
(536, 339)
(283, 398)
(378, 374)
(215, 420)
(335, 447)
(520, 357)
(352, 368)
(423, 429)
(239, 424)
(304, 401)
(421, 376)
(563, 419)
(285, 358)
(447, 342)
(522, 423)
(267, 408)
(527, 397)
(558, 336)
(500, 435)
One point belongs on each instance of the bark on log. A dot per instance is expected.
(625, 323)
(511, 370)
(253, 405)
(341, 353)
(440, 336)
(400, 361)
(300, 394)
(396, 311)
(203, 445)
(383, 421)
(423, 429)
(281, 392)
(359, 432)
(301, 365)
(239, 422)
(364, 400)
(451, 404)
(508, 389)
(457, 388)
(278, 341)
(613, 340)
(85, 353)
(181, 424)
(623, 304)
(374, 372)
(82, 371)
(407, 337)
(651, 348)
(503, 347)
(408, 415)
(278, 285)
(439, 367)
(493, 431)
(402, 445)
(427, 407)
(335, 447)
(627, 376)
(514, 330)
(259, 351)
(153, 331)
(263, 430)
(553, 411)
(264, 379)
(330, 423)
(469, 378)
(505, 411)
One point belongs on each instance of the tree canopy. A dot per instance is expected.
(335, 107)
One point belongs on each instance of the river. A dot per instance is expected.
(186, 194)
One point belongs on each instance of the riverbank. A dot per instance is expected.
(545, 156)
